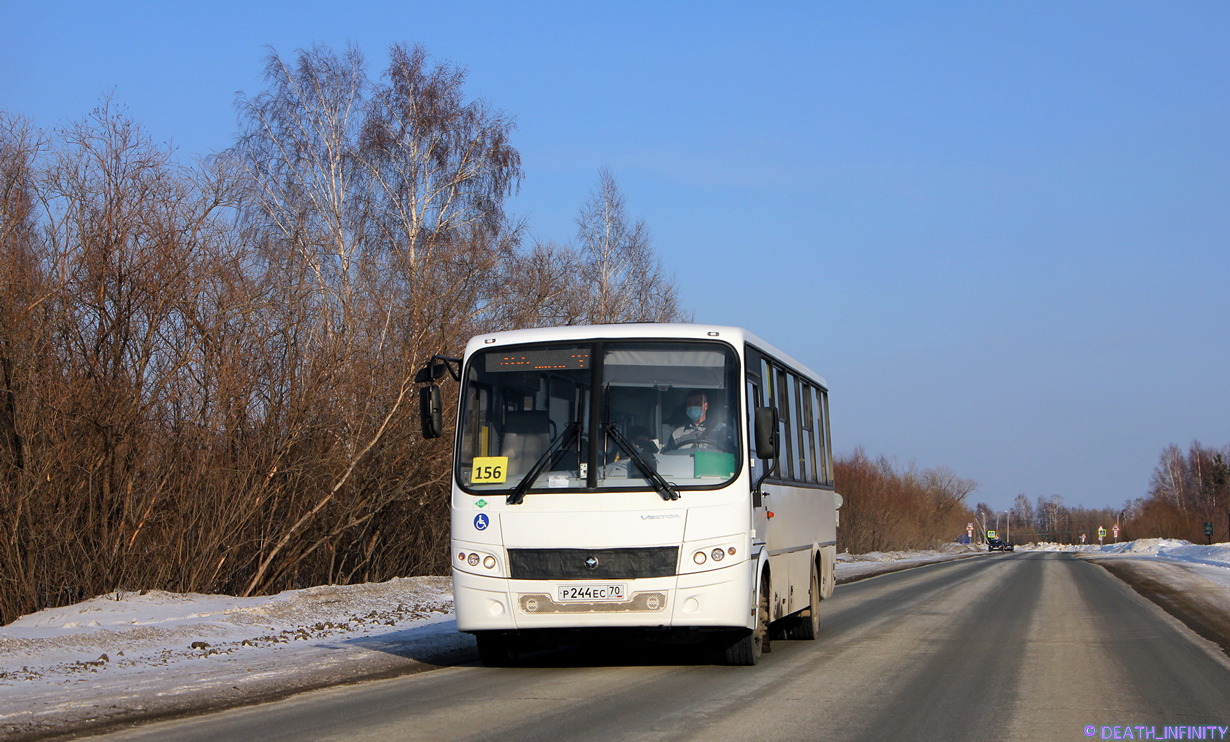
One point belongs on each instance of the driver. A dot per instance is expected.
(700, 432)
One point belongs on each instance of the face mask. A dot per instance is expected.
(695, 413)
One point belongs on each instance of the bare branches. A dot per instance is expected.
(622, 276)
(1187, 490)
(203, 366)
(888, 507)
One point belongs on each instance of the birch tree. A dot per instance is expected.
(623, 277)
(379, 210)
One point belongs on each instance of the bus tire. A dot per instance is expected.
(828, 571)
(747, 649)
(807, 626)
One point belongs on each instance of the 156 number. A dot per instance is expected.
(489, 470)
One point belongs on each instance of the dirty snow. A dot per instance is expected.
(1210, 562)
(156, 652)
(853, 566)
(126, 655)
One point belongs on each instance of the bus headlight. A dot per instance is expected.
(469, 561)
(712, 555)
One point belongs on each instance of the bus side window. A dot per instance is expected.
(753, 394)
(826, 437)
(786, 424)
(807, 436)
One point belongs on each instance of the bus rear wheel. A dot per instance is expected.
(746, 650)
(807, 626)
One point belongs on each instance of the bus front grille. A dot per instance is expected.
(587, 564)
(537, 603)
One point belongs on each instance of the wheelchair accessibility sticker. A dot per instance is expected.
(481, 521)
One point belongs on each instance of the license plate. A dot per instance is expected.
(591, 593)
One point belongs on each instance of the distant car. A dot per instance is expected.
(994, 544)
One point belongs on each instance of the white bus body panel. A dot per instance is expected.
(699, 597)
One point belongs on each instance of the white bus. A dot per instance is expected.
(665, 478)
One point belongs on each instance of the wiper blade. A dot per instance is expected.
(553, 449)
(664, 488)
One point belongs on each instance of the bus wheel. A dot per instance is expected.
(828, 573)
(497, 650)
(746, 650)
(808, 626)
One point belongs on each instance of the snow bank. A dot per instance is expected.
(1217, 555)
(853, 566)
(158, 626)
(129, 654)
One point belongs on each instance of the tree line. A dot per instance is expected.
(1049, 519)
(205, 368)
(889, 507)
(892, 507)
(1186, 490)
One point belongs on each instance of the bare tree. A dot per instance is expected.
(624, 277)
(204, 366)
(1025, 524)
(1186, 491)
(379, 211)
(543, 288)
(104, 258)
(891, 507)
(21, 284)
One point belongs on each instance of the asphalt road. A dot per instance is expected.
(1027, 646)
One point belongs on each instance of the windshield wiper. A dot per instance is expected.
(553, 449)
(664, 488)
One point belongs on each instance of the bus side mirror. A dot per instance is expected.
(766, 432)
(431, 413)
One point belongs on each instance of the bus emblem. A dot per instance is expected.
(591, 563)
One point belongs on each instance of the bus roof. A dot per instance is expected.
(660, 330)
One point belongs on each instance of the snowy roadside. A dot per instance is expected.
(1209, 562)
(144, 655)
(127, 656)
(853, 567)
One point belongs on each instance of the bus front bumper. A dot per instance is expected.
(719, 598)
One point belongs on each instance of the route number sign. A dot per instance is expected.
(489, 470)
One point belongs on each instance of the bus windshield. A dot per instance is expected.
(599, 416)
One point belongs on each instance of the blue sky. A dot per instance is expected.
(999, 229)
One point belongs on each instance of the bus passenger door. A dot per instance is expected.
(756, 470)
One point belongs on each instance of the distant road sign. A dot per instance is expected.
(991, 534)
